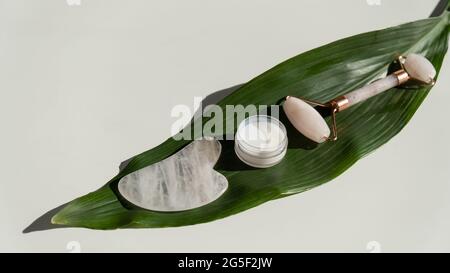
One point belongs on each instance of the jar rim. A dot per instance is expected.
(270, 119)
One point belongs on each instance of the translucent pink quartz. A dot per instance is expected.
(419, 67)
(306, 119)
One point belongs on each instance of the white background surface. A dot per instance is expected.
(85, 87)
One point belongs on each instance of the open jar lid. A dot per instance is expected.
(261, 141)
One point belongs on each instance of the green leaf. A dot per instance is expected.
(320, 74)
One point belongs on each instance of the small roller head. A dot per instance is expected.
(306, 119)
(420, 68)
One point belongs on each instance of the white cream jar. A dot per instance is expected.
(261, 141)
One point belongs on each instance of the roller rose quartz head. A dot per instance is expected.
(311, 124)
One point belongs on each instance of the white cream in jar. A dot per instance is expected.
(261, 141)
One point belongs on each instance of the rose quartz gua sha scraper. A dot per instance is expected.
(311, 124)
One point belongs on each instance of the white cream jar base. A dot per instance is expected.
(261, 141)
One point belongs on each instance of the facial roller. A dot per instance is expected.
(307, 120)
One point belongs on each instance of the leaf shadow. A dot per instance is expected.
(44, 222)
